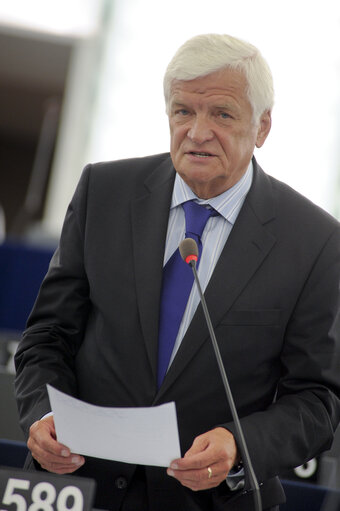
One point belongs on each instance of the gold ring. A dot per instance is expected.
(209, 473)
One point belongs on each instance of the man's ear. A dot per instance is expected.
(264, 128)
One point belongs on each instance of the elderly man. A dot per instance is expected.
(116, 325)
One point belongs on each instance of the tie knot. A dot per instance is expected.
(196, 217)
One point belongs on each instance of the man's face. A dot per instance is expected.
(213, 134)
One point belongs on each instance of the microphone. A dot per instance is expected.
(189, 253)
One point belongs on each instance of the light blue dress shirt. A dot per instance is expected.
(214, 236)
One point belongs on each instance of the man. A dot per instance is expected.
(270, 267)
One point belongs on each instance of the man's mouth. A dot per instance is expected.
(200, 154)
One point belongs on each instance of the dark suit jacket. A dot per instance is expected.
(274, 302)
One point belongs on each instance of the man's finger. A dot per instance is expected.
(43, 434)
(207, 462)
(48, 452)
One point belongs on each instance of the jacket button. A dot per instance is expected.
(121, 483)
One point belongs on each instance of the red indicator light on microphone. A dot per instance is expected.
(191, 257)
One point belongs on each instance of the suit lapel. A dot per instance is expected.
(149, 213)
(248, 245)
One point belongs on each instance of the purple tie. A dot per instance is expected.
(177, 284)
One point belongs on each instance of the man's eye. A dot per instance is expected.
(182, 111)
(224, 115)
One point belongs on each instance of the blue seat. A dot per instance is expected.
(12, 453)
(309, 497)
(22, 268)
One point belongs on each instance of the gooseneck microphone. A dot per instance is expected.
(189, 253)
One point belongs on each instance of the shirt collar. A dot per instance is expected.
(228, 203)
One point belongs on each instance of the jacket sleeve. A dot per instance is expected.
(56, 324)
(301, 422)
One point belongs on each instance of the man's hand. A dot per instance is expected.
(51, 455)
(208, 461)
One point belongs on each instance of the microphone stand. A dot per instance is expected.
(240, 437)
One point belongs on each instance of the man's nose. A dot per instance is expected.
(200, 130)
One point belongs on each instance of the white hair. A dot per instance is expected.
(207, 53)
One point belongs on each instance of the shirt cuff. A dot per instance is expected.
(47, 415)
(235, 479)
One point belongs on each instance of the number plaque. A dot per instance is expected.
(22, 490)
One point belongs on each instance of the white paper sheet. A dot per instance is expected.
(146, 436)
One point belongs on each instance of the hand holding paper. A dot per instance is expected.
(146, 436)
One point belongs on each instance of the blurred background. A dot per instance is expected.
(81, 81)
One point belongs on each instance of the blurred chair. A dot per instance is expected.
(12, 453)
(309, 497)
(22, 268)
(9, 417)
